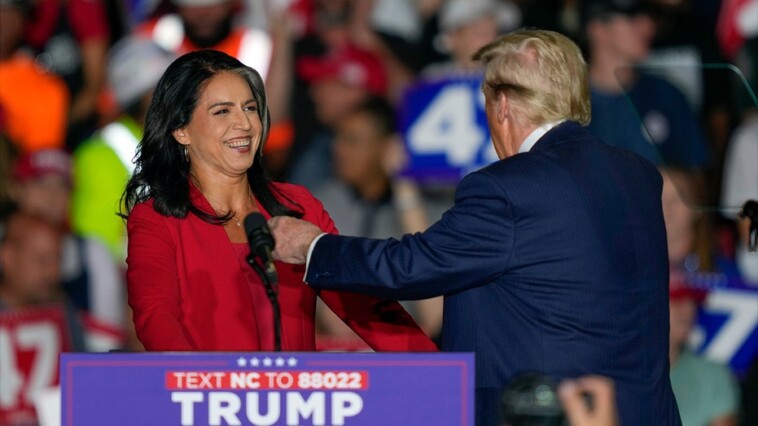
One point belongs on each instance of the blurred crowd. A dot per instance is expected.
(76, 78)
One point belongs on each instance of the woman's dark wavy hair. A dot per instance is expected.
(162, 172)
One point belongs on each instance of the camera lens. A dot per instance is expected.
(531, 400)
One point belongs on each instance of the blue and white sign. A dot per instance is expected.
(444, 127)
(727, 324)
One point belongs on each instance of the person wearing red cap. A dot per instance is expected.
(366, 199)
(339, 81)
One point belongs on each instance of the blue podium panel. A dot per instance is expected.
(292, 388)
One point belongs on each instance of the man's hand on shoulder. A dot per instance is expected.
(292, 238)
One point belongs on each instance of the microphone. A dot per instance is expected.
(261, 243)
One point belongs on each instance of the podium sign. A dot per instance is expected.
(288, 388)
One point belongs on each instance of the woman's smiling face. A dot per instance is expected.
(224, 132)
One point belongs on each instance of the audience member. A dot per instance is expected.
(706, 392)
(625, 98)
(104, 163)
(467, 25)
(71, 38)
(211, 24)
(741, 184)
(30, 253)
(28, 123)
(680, 197)
(556, 15)
(31, 294)
(683, 42)
(339, 81)
(365, 200)
(684, 52)
(740, 179)
(91, 279)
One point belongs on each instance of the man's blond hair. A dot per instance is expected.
(542, 72)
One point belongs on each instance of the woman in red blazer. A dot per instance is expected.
(199, 172)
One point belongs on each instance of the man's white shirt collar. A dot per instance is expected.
(536, 134)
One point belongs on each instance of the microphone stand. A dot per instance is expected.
(271, 283)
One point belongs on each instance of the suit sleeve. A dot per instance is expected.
(153, 283)
(383, 324)
(469, 246)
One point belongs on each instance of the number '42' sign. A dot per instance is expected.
(445, 129)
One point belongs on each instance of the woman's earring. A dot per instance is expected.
(186, 154)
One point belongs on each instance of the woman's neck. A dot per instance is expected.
(226, 194)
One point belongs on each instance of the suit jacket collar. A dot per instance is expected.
(563, 132)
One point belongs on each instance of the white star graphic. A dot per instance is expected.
(267, 362)
(241, 362)
(254, 362)
(292, 362)
(280, 362)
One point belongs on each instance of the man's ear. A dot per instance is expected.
(181, 136)
(502, 107)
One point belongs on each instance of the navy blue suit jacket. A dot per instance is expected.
(552, 261)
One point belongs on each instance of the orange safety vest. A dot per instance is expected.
(251, 46)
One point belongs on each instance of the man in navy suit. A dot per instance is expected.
(553, 259)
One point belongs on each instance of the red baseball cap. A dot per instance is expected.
(43, 162)
(350, 65)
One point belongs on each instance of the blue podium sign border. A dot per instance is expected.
(76, 366)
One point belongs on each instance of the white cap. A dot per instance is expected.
(135, 65)
(457, 13)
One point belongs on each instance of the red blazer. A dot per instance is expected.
(188, 290)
